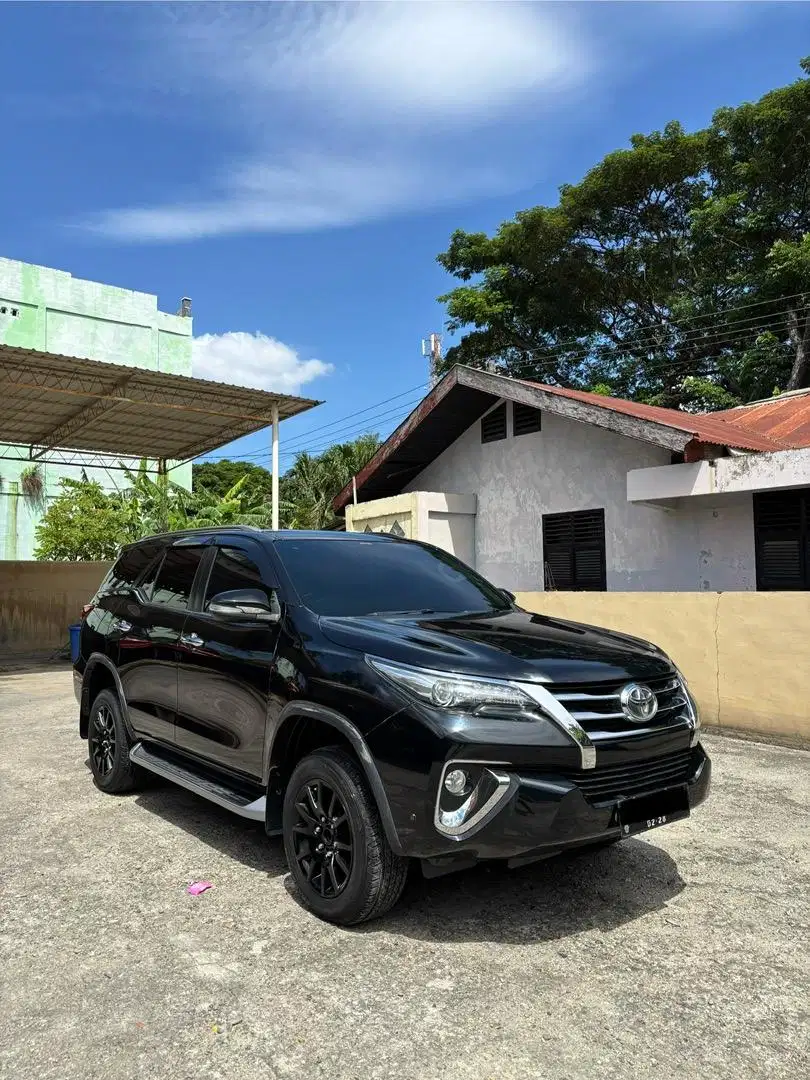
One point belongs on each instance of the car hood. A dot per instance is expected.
(513, 644)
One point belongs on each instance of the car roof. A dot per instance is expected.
(265, 534)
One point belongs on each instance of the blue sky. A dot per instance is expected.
(295, 168)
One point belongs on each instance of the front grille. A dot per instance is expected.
(596, 706)
(608, 782)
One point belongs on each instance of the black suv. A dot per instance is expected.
(374, 700)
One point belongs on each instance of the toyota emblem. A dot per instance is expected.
(638, 702)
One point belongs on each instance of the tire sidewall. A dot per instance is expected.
(117, 778)
(353, 897)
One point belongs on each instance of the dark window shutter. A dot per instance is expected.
(574, 551)
(525, 419)
(782, 539)
(493, 425)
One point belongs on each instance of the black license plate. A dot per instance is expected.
(650, 811)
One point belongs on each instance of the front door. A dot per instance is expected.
(149, 645)
(225, 667)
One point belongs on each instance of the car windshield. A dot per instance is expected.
(365, 577)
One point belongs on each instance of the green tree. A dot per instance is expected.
(218, 477)
(84, 522)
(676, 271)
(308, 488)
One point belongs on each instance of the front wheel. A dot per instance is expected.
(336, 848)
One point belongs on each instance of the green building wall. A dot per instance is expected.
(52, 311)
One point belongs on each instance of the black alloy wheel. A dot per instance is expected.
(109, 744)
(322, 838)
(102, 741)
(340, 861)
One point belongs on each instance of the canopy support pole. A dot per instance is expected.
(274, 421)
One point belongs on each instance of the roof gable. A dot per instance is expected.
(464, 394)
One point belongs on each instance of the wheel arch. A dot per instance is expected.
(100, 674)
(303, 713)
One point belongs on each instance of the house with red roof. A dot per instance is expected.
(541, 487)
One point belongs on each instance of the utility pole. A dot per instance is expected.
(432, 349)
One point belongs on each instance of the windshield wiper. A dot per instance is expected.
(411, 611)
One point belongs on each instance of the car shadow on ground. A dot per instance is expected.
(545, 901)
(239, 839)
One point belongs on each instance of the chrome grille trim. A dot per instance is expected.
(589, 706)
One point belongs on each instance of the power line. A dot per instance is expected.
(724, 329)
(651, 327)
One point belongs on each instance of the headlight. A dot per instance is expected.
(692, 706)
(460, 693)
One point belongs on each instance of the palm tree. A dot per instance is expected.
(308, 488)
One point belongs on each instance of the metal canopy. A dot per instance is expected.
(51, 401)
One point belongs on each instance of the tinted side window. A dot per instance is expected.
(233, 569)
(130, 565)
(176, 577)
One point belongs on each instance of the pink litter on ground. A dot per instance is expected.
(198, 887)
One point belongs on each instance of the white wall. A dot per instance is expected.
(574, 466)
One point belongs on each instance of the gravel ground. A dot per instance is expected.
(681, 954)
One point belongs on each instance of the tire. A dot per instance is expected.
(108, 744)
(364, 881)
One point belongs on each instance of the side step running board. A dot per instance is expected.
(200, 785)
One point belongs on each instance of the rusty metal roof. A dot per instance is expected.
(703, 427)
(52, 401)
(465, 394)
(785, 419)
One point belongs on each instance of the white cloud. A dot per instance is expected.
(352, 112)
(420, 61)
(306, 193)
(253, 360)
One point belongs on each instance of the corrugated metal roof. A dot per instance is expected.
(785, 419)
(51, 400)
(464, 394)
(705, 427)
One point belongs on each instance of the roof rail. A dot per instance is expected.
(202, 531)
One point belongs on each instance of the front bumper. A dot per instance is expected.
(543, 813)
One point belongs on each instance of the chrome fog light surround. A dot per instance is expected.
(490, 787)
(691, 708)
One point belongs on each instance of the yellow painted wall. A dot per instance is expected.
(39, 600)
(745, 655)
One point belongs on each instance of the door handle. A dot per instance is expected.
(194, 640)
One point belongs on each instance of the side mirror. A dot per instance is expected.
(248, 605)
(510, 596)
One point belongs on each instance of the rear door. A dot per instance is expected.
(149, 647)
(225, 666)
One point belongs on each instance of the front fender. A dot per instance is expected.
(297, 710)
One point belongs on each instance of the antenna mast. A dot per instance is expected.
(432, 349)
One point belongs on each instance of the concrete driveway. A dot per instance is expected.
(681, 955)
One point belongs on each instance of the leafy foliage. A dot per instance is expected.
(677, 271)
(309, 487)
(218, 477)
(85, 522)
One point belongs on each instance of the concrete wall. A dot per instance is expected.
(439, 518)
(575, 466)
(52, 311)
(745, 655)
(39, 600)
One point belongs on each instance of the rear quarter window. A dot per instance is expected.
(128, 568)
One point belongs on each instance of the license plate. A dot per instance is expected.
(652, 811)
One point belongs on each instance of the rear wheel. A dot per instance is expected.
(336, 848)
(109, 744)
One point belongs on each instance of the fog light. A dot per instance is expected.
(456, 781)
